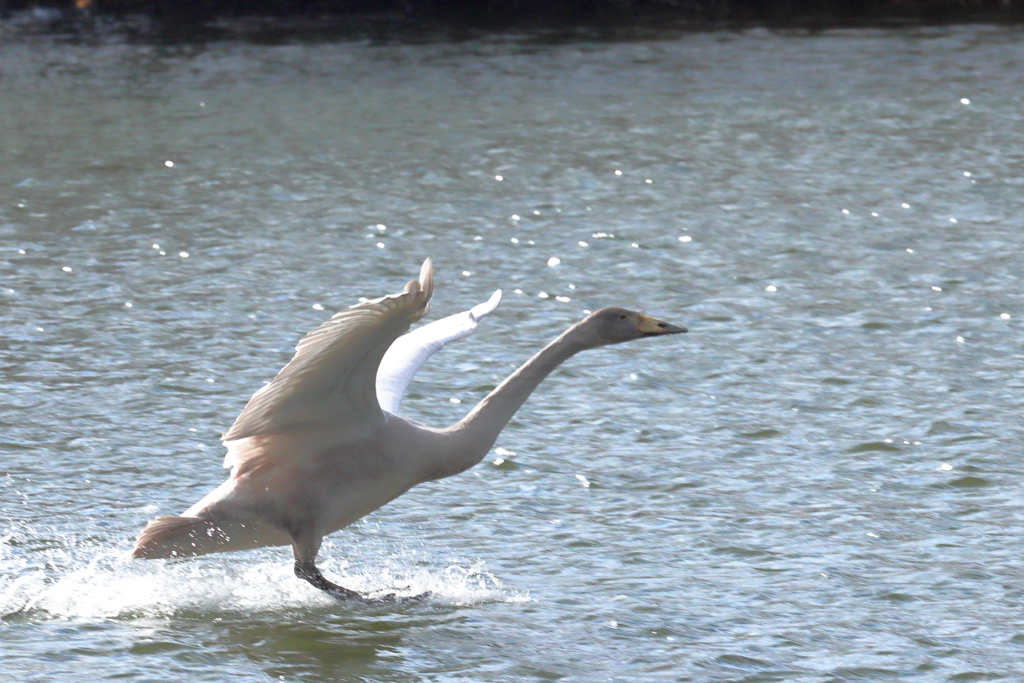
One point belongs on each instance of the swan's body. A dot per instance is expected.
(320, 446)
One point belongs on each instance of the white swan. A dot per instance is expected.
(313, 451)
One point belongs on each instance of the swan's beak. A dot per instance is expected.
(651, 327)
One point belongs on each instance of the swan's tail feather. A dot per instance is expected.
(169, 536)
(179, 537)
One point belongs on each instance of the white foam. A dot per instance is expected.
(106, 584)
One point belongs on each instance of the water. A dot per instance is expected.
(820, 482)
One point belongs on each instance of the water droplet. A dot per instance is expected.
(964, 100)
(514, 240)
(905, 205)
(945, 467)
(499, 178)
(936, 289)
(554, 261)
(1004, 316)
(466, 273)
(454, 400)
(959, 340)
(382, 227)
(952, 220)
(169, 164)
(875, 214)
(380, 245)
(910, 251)
(318, 307)
(586, 484)
(635, 245)
(582, 243)
(649, 181)
(618, 172)
(544, 295)
(967, 174)
(771, 288)
(183, 254)
(515, 216)
(156, 246)
(685, 238)
(127, 304)
(563, 299)
(66, 269)
(21, 251)
(846, 211)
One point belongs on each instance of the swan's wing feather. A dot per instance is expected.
(408, 353)
(329, 383)
(480, 310)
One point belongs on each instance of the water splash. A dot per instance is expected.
(105, 584)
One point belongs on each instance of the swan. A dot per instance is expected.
(322, 446)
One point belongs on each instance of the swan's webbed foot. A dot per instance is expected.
(396, 599)
(308, 571)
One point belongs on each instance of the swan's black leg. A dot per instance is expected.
(308, 572)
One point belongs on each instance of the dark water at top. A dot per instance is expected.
(820, 483)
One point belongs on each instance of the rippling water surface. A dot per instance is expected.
(821, 482)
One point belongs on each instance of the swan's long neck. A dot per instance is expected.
(470, 439)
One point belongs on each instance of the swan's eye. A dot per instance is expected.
(622, 317)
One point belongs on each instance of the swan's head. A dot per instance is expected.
(616, 325)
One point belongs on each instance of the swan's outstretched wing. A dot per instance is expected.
(409, 352)
(330, 382)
